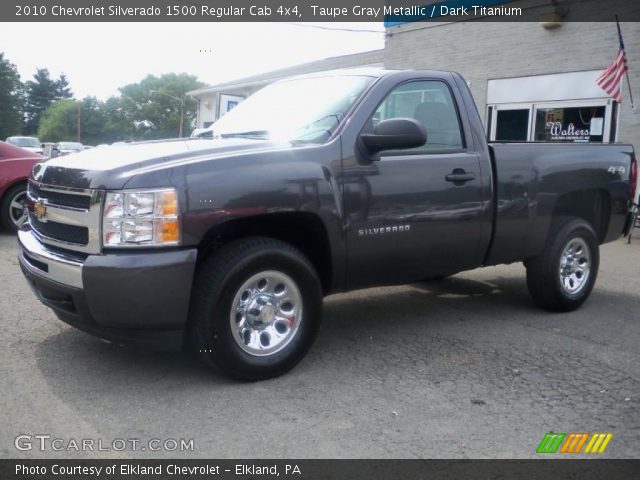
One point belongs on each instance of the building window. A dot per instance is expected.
(572, 121)
(573, 124)
(512, 125)
(555, 107)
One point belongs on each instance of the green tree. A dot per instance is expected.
(59, 122)
(11, 99)
(93, 122)
(149, 109)
(154, 106)
(118, 124)
(72, 120)
(62, 87)
(41, 92)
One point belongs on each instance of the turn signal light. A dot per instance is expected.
(170, 231)
(168, 203)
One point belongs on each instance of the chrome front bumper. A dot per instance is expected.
(138, 297)
(54, 266)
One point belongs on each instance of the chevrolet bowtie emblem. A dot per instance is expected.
(40, 210)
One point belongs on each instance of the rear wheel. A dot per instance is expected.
(13, 213)
(562, 276)
(256, 308)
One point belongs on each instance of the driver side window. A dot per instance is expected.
(431, 104)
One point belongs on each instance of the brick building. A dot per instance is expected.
(524, 76)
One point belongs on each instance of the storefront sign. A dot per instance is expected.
(570, 133)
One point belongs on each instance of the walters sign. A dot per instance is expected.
(559, 133)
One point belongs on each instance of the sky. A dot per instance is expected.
(98, 58)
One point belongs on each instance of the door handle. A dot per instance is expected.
(459, 176)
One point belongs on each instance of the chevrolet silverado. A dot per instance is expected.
(313, 185)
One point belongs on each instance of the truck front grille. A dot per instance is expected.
(81, 202)
(66, 218)
(60, 231)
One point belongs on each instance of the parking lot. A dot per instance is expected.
(463, 367)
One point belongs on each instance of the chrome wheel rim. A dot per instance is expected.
(266, 313)
(17, 210)
(575, 266)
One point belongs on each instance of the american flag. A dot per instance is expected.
(611, 79)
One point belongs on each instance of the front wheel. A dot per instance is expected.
(561, 278)
(256, 308)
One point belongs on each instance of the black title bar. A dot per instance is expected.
(317, 469)
(392, 12)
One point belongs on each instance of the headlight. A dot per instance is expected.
(145, 218)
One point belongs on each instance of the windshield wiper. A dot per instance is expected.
(257, 134)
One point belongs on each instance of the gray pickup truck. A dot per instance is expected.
(314, 185)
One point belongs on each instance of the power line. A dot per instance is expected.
(319, 27)
(295, 24)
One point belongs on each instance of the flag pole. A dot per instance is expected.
(633, 107)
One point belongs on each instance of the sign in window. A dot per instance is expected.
(574, 124)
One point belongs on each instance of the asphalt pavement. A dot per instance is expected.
(463, 367)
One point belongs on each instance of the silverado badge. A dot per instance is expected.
(40, 210)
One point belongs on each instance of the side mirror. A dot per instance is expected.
(395, 134)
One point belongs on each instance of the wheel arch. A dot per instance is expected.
(592, 205)
(304, 230)
(12, 184)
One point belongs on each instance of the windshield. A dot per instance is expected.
(25, 142)
(305, 110)
(70, 146)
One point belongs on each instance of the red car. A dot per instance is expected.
(15, 165)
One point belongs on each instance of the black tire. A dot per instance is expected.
(547, 285)
(217, 287)
(439, 278)
(7, 210)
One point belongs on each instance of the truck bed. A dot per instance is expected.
(534, 180)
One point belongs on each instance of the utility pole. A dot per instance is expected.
(181, 116)
(78, 127)
(181, 100)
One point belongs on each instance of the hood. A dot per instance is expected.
(11, 152)
(113, 166)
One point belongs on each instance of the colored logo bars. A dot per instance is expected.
(573, 442)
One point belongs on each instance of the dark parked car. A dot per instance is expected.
(314, 185)
(15, 166)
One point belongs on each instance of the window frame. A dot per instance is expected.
(411, 152)
(493, 110)
(608, 110)
(533, 107)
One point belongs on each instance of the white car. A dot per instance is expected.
(28, 143)
(69, 147)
